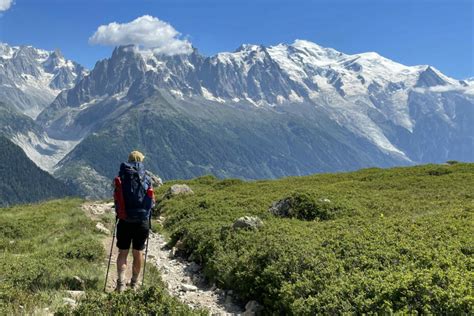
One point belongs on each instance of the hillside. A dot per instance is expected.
(24, 182)
(31, 77)
(372, 241)
(185, 140)
(258, 112)
(51, 253)
(396, 240)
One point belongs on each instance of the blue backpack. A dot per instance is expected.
(135, 186)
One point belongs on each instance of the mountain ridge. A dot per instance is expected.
(24, 182)
(31, 78)
(399, 114)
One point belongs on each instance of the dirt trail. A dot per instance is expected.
(183, 279)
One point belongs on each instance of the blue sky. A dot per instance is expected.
(436, 32)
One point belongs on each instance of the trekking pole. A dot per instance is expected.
(110, 256)
(146, 251)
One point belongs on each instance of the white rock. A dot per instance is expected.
(101, 228)
(188, 288)
(69, 301)
(178, 189)
(248, 222)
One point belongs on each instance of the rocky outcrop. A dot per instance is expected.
(305, 207)
(281, 208)
(247, 222)
(178, 189)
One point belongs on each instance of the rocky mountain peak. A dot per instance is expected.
(33, 77)
(430, 78)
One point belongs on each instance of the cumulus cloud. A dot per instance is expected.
(147, 32)
(5, 5)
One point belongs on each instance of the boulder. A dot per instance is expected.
(288, 207)
(248, 222)
(281, 208)
(178, 189)
(188, 288)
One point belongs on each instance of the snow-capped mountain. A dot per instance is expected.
(357, 91)
(258, 112)
(31, 78)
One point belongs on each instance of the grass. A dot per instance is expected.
(44, 246)
(151, 299)
(400, 241)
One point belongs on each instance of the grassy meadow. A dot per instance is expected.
(395, 240)
(389, 241)
(44, 246)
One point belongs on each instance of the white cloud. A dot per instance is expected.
(5, 5)
(147, 32)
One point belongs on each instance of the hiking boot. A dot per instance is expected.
(134, 284)
(120, 287)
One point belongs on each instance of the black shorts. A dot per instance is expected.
(135, 233)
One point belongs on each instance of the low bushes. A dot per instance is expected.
(306, 207)
(43, 247)
(52, 247)
(152, 299)
(395, 240)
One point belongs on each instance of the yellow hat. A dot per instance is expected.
(136, 156)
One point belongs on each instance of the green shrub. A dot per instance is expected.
(53, 242)
(87, 249)
(439, 171)
(152, 300)
(308, 208)
(452, 162)
(206, 179)
(398, 241)
(227, 183)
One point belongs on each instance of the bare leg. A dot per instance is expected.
(121, 266)
(137, 264)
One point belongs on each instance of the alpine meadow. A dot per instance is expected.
(236, 157)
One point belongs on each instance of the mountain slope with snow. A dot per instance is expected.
(332, 110)
(31, 78)
(353, 89)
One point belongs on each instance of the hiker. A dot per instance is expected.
(133, 195)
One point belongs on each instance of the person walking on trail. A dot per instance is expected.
(133, 196)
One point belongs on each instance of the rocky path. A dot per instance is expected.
(183, 278)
